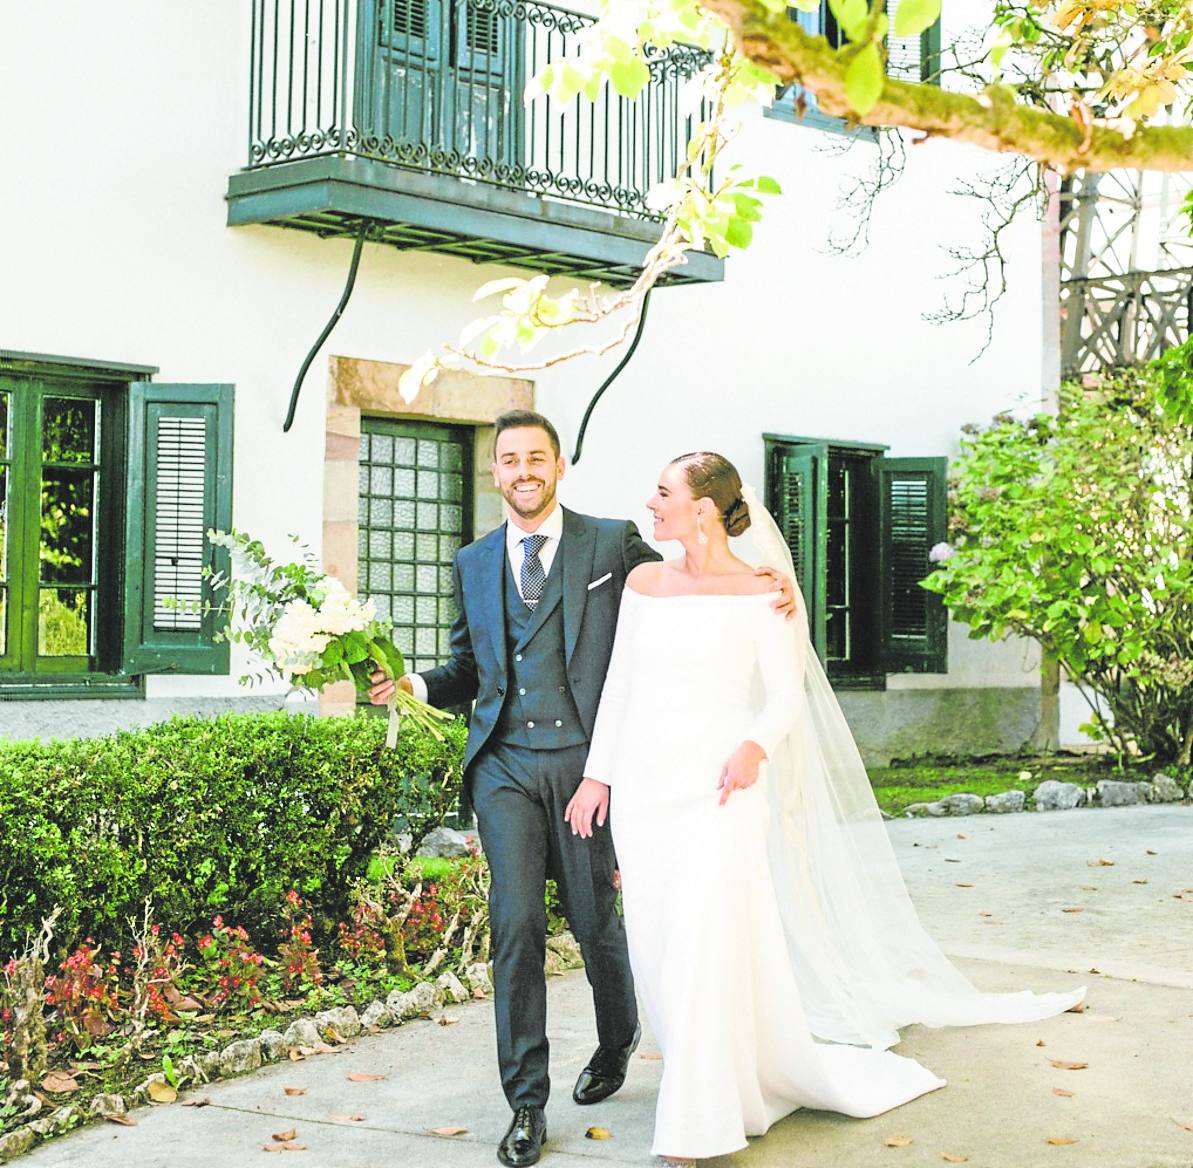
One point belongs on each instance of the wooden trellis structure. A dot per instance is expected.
(1126, 269)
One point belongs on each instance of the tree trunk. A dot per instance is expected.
(1046, 739)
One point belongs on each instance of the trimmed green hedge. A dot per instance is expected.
(208, 815)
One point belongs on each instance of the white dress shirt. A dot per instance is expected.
(552, 528)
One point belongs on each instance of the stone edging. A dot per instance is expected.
(1054, 795)
(305, 1035)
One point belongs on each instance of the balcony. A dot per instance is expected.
(406, 118)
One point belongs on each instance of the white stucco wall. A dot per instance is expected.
(115, 165)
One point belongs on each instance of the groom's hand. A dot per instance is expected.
(591, 798)
(785, 605)
(383, 686)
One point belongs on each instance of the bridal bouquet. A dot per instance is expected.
(309, 629)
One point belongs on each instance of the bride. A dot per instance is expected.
(773, 943)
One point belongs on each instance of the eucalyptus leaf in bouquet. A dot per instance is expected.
(309, 630)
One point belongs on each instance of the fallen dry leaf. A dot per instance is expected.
(1062, 1092)
(448, 1131)
(288, 1146)
(1060, 1141)
(364, 1077)
(197, 1101)
(898, 1141)
(59, 1082)
(1073, 908)
(321, 1048)
(1089, 888)
(1138, 881)
(1079, 1008)
(479, 994)
(985, 914)
(295, 1090)
(1066, 1065)
(296, 1055)
(962, 835)
(355, 1118)
(954, 1158)
(1094, 969)
(161, 1092)
(123, 1120)
(1100, 862)
(950, 860)
(1187, 1126)
(333, 1035)
(964, 884)
(1040, 1042)
(1151, 853)
(188, 1005)
(284, 1137)
(598, 1133)
(444, 1020)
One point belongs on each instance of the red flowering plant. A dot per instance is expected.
(84, 995)
(156, 972)
(231, 966)
(299, 959)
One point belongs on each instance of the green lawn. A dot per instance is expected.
(923, 781)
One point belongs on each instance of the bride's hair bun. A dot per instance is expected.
(737, 516)
(713, 476)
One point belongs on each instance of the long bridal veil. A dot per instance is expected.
(864, 965)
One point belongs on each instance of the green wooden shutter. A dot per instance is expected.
(913, 621)
(179, 487)
(914, 58)
(799, 502)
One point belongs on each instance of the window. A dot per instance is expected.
(414, 514)
(76, 497)
(908, 59)
(860, 526)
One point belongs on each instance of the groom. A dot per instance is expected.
(538, 600)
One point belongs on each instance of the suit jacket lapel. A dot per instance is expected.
(578, 549)
(490, 571)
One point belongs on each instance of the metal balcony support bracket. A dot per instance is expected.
(361, 233)
(596, 397)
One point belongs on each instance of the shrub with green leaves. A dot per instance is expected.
(209, 815)
(1077, 531)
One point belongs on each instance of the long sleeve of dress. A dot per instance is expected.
(614, 695)
(782, 647)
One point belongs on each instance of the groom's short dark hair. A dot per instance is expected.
(522, 419)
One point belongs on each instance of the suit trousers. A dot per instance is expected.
(519, 795)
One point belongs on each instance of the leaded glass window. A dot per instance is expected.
(414, 515)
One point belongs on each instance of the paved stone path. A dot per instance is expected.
(999, 1109)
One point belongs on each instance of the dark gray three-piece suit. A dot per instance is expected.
(536, 677)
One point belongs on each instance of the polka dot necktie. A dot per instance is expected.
(533, 575)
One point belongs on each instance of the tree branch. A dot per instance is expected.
(992, 119)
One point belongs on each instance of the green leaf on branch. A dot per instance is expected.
(739, 232)
(849, 14)
(629, 76)
(864, 79)
(913, 17)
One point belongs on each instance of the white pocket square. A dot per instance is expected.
(598, 583)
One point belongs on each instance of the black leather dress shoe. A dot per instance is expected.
(523, 1143)
(605, 1072)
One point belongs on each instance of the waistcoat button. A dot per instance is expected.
(529, 725)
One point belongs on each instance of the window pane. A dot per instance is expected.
(67, 515)
(62, 623)
(68, 430)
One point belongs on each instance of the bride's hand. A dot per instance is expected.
(591, 798)
(740, 770)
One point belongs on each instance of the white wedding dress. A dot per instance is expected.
(738, 962)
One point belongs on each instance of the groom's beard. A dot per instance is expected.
(532, 506)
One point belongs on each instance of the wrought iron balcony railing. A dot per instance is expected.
(436, 86)
(1118, 320)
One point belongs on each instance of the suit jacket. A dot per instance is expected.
(596, 556)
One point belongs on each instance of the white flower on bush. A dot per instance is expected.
(940, 552)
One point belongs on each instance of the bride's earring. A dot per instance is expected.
(700, 536)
